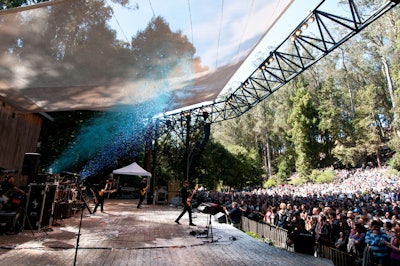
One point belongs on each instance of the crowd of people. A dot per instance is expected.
(360, 208)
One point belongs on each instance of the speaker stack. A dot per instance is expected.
(39, 206)
(30, 166)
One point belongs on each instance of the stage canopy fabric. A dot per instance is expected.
(132, 169)
(65, 55)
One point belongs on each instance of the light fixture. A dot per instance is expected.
(304, 26)
(311, 19)
(270, 59)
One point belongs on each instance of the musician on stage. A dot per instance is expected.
(8, 186)
(186, 200)
(99, 192)
(143, 186)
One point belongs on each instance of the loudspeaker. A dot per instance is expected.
(31, 164)
(220, 217)
(38, 179)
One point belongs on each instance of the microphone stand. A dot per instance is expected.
(79, 233)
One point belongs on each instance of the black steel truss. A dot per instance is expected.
(299, 51)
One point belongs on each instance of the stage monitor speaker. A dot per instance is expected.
(220, 217)
(30, 165)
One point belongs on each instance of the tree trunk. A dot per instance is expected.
(386, 71)
(268, 151)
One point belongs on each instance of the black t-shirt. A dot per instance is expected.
(6, 186)
(304, 241)
(184, 194)
(236, 215)
(142, 185)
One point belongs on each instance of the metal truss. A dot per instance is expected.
(316, 36)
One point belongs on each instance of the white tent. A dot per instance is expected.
(132, 169)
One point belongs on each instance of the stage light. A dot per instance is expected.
(304, 26)
(245, 84)
(270, 59)
(298, 32)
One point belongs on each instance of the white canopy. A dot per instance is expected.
(132, 169)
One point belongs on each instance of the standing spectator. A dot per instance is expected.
(303, 240)
(376, 239)
(387, 227)
(282, 215)
(234, 214)
(268, 219)
(394, 246)
(356, 243)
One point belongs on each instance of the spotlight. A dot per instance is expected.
(298, 32)
(293, 38)
(311, 19)
(270, 59)
(304, 26)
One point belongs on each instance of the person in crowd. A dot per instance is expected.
(376, 239)
(234, 214)
(350, 218)
(356, 243)
(387, 227)
(340, 243)
(282, 215)
(186, 201)
(143, 186)
(268, 217)
(302, 240)
(394, 246)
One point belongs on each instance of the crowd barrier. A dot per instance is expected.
(277, 236)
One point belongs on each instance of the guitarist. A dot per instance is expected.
(186, 198)
(143, 186)
(99, 192)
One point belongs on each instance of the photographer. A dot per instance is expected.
(303, 240)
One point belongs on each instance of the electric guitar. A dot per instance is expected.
(95, 201)
(189, 199)
(101, 192)
(143, 191)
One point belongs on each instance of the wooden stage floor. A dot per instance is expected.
(125, 235)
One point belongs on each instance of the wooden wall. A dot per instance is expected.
(19, 134)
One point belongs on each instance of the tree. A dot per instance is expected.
(304, 134)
